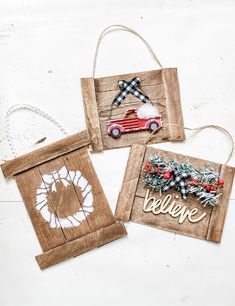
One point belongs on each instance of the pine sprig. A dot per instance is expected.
(203, 183)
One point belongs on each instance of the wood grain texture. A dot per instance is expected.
(117, 112)
(166, 222)
(219, 212)
(91, 113)
(102, 215)
(44, 154)
(153, 77)
(81, 245)
(130, 182)
(28, 183)
(209, 228)
(173, 107)
(154, 91)
(162, 88)
(65, 201)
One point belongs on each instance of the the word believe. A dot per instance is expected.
(169, 206)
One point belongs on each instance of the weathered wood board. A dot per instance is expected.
(133, 193)
(64, 199)
(161, 86)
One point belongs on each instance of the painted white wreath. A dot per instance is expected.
(49, 184)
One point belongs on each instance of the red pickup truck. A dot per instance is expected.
(131, 123)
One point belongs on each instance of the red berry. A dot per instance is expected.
(220, 182)
(212, 188)
(147, 166)
(166, 175)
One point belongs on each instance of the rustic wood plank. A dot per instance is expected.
(209, 228)
(81, 245)
(131, 178)
(118, 112)
(91, 112)
(102, 215)
(28, 183)
(160, 85)
(166, 222)
(154, 92)
(219, 212)
(153, 77)
(65, 201)
(173, 105)
(44, 154)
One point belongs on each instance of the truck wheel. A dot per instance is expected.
(153, 126)
(115, 132)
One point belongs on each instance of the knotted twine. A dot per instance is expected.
(198, 129)
(120, 27)
(180, 178)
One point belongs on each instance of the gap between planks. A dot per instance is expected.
(81, 245)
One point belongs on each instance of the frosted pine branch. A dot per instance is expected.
(202, 183)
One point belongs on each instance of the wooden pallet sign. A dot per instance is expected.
(122, 129)
(140, 203)
(64, 199)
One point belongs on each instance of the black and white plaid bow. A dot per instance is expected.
(127, 88)
(179, 182)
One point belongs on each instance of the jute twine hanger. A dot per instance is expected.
(119, 27)
(198, 129)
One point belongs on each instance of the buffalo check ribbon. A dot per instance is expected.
(129, 88)
(179, 182)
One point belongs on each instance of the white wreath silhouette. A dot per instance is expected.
(49, 183)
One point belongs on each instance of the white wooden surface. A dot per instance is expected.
(45, 47)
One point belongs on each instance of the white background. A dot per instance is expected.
(45, 47)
